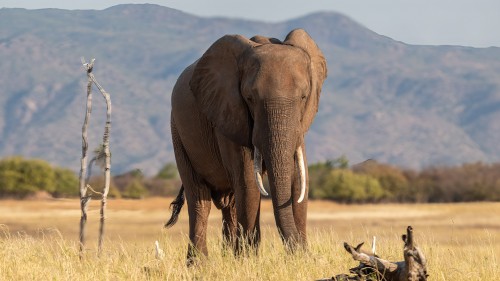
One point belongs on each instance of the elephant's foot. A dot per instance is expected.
(247, 244)
(295, 244)
(194, 256)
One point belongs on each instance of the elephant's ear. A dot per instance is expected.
(216, 86)
(299, 38)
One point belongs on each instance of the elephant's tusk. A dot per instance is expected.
(302, 174)
(257, 169)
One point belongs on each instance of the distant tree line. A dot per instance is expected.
(373, 182)
(20, 178)
(368, 182)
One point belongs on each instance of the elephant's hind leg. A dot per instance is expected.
(198, 209)
(197, 197)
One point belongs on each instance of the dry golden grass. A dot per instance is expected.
(39, 241)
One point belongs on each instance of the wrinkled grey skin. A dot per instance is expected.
(241, 95)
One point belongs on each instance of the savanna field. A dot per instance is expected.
(39, 241)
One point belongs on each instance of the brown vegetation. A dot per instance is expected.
(373, 182)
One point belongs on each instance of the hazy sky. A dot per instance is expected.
(436, 22)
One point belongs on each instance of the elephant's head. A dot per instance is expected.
(263, 93)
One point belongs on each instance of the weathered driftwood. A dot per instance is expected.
(373, 268)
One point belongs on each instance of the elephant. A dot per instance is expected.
(239, 112)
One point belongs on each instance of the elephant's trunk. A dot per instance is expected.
(278, 152)
(280, 183)
(257, 168)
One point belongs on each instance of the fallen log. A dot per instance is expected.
(373, 268)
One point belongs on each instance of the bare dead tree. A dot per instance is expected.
(84, 198)
(373, 268)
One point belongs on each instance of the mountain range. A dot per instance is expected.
(407, 105)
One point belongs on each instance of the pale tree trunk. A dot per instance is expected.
(84, 199)
(107, 164)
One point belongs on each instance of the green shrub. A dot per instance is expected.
(348, 187)
(135, 190)
(168, 172)
(392, 180)
(66, 183)
(20, 177)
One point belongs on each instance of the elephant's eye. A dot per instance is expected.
(303, 97)
(249, 99)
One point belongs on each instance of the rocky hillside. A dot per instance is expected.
(413, 106)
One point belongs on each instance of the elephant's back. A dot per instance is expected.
(181, 94)
(196, 133)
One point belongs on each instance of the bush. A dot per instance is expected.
(162, 187)
(468, 182)
(135, 190)
(66, 183)
(20, 177)
(317, 177)
(345, 186)
(168, 172)
(133, 184)
(392, 180)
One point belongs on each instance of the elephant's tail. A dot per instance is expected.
(176, 207)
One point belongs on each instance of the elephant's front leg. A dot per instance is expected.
(238, 161)
(248, 216)
(247, 198)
